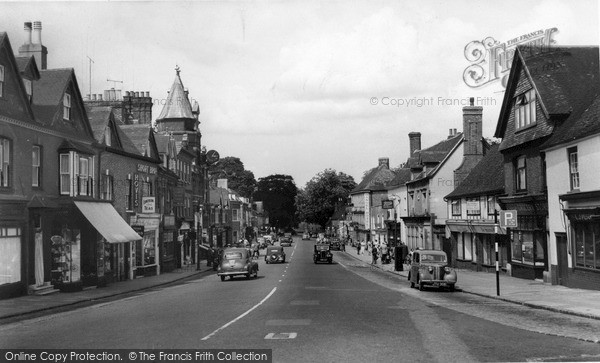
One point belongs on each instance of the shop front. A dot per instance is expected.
(167, 244)
(579, 251)
(145, 252)
(473, 244)
(13, 249)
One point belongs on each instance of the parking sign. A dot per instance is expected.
(508, 218)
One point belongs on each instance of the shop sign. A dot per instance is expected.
(146, 169)
(148, 223)
(387, 204)
(139, 229)
(169, 221)
(148, 204)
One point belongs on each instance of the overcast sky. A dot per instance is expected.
(290, 86)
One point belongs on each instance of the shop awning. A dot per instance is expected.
(106, 220)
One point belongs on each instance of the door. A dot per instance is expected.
(562, 257)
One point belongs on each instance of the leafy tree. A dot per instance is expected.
(278, 194)
(317, 201)
(238, 178)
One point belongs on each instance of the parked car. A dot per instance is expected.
(237, 261)
(305, 237)
(335, 244)
(322, 253)
(430, 267)
(285, 241)
(275, 254)
(262, 243)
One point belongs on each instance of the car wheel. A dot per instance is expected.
(248, 276)
(421, 285)
(222, 278)
(283, 261)
(267, 261)
(451, 288)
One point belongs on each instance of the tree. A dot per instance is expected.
(238, 178)
(316, 203)
(278, 194)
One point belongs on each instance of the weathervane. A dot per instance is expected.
(177, 69)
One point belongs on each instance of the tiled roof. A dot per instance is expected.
(28, 67)
(177, 104)
(375, 179)
(487, 177)
(402, 176)
(575, 128)
(48, 93)
(162, 142)
(434, 155)
(99, 117)
(138, 137)
(566, 79)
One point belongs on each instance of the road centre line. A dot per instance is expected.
(241, 316)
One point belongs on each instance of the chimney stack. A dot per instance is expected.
(415, 142)
(472, 128)
(28, 32)
(384, 162)
(37, 32)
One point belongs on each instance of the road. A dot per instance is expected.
(345, 311)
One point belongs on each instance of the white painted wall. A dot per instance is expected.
(442, 183)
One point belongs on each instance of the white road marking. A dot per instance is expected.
(281, 335)
(241, 316)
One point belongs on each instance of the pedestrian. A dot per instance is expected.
(363, 247)
(404, 255)
(384, 253)
(375, 256)
(358, 248)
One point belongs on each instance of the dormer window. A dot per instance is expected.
(28, 88)
(107, 137)
(525, 107)
(1, 81)
(67, 107)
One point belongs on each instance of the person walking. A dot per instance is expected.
(384, 253)
(403, 254)
(363, 247)
(375, 256)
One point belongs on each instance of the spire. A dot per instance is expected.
(177, 105)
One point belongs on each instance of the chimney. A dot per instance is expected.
(33, 44)
(415, 142)
(222, 183)
(384, 162)
(28, 32)
(99, 96)
(472, 128)
(93, 97)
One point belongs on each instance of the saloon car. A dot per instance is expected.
(237, 262)
(430, 268)
(305, 236)
(285, 241)
(274, 254)
(322, 253)
(335, 244)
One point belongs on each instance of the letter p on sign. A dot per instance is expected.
(508, 218)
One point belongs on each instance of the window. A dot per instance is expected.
(28, 88)
(236, 216)
(587, 244)
(36, 166)
(473, 207)
(1, 81)
(10, 255)
(521, 174)
(106, 187)
(491, 206)
(108, 137)
(76, 174)
(528, 247)
(5, 163)
(67, 106)
(525, 106)
(456, 208)
(573, 168)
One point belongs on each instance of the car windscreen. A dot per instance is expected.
(274, 250)
(433, 258)
(233, 255)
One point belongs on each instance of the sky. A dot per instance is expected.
(297, 87)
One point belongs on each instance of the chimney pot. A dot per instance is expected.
(137, 94)
(37, 32)
(27, 27)
(94, 97)
(472, 101)
(99, 96)
(148, 94)
(384, 162)
(126, 93)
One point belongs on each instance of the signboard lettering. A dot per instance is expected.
(148, 204)
(508, 218)
(387, 204)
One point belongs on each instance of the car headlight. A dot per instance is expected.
(447, 269)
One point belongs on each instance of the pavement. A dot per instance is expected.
(532, 293)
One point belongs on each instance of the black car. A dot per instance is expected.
(322, 253)
(335, 244)
(275, 254)
(285, 241)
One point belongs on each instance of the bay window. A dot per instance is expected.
(76, 174)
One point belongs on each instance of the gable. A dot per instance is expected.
(14, 102)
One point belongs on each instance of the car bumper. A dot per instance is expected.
(232, 273)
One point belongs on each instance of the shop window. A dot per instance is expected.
(66, 256)
(573, 168)
(528, 247)
(146, 250)
(587, 244)
(465, 246)
(36, 165)
(525, 107)
(5, 168)
(488, 249)
(10, 255)
(521, 173)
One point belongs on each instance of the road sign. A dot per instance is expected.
(508, 218)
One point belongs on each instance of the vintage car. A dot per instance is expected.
(322, 253)
(285, 241)
(335, 244)
(275, 254)
(268, 238)
(305, 237)
(235, 262)
(430, 267)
